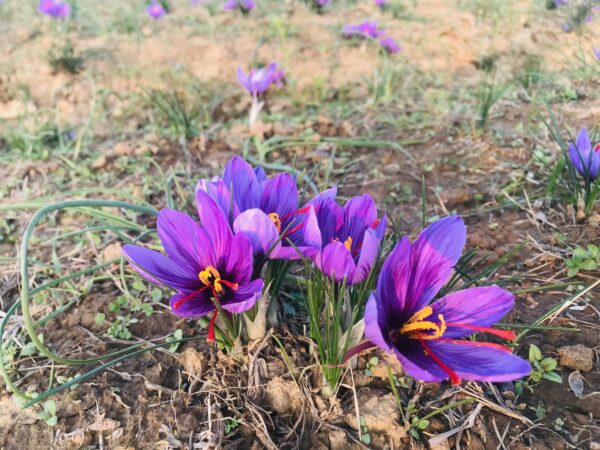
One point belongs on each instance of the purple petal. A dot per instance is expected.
(479, 306)
(480, 363)
(392, 285)
(336, 262)
(221, 195)
(184, 241)
(214, 224)
(230, 5)
(381, 227)
(240, 178)
(161, 268)
(372, 328)
(280, 195)
(259, 229)
(239, 262)
(368, 255)
(197, 306)
(330, 218)
(432, 257)
(245, 297)
(360, 213)
(327, 194)
(241, 76)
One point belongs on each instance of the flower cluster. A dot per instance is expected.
(368, 30)
(217, 264)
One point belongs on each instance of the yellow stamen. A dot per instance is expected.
(276, 220)
(209, 276)
(415, 326)
(348, 243)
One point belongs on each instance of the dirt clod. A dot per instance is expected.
(283, 396)
(577, 357)
(381, 415)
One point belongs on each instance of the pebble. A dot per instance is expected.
(577, 357)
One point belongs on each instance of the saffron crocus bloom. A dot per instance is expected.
(258, 81)
(347, 242)
(597, 53)
(155, 10)
(584, 156)
(208, 266)
(402, 318)
(366, 29)
(54, 8)
(244, 5)
(389, 44)
(265, 210)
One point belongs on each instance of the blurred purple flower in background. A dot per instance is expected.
(558, 3)
(243, 5)
(597, 53)
(54, 8)
(366, 29)
(584, 156)
(427, 336)
(155, 10)
(259, 81)
(389, 44)
(381, 3)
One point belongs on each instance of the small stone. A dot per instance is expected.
(99, 163)
(577, 357)
(112, 251)
(192, 361)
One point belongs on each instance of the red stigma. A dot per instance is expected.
(181, 301)
(504, 334)
(454, 378)
(211, 327)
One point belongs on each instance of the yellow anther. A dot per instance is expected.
(210, 277)
(416, 326)
(276, 220)
(348, 243)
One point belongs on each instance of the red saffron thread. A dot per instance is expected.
(211, 327)
(454, 378)
(504, 334)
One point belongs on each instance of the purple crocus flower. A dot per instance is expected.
(597, 53)
(155, 10)
(54, 8)
(425, 335)
(366, 29)
(584, 156)
(265, 210)
(206, 263)
(381, 3)
(346, 243)
(244, 5)
(389, 44)
(258, 81)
